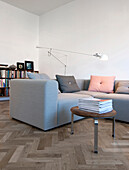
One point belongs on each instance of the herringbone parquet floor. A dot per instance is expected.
(23, 147)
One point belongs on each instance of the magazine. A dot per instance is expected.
(95, 105)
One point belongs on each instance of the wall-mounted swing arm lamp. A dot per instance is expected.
(100, 56)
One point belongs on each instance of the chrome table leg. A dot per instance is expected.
(72, 117)
(96, 136)
(113, 128)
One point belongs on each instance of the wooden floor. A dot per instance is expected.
(23, 147)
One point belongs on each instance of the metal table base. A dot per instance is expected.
(95, 130)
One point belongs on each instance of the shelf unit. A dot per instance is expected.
(6, 75)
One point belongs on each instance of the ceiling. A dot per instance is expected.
(37, 7)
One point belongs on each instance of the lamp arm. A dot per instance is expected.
(74, 52)
(49, 52)
(56, 58)
(100, 56)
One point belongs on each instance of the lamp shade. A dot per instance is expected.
(104, 57)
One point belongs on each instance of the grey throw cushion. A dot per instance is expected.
(67, 84)
(38, 76)
(123, 87)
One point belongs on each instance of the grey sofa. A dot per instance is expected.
(38, 103)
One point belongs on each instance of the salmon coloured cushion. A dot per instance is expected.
(102, 84)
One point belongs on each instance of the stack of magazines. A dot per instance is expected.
(95, 105)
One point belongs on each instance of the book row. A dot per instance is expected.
(13, 74)
(4, 83)
(5, 92)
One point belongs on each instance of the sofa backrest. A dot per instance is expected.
(84, 84)
(116, 83)
(80, 83)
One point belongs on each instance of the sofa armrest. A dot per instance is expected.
(34, 102)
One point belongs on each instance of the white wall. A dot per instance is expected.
(87, 26)
(18, 35)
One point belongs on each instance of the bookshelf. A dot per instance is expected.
(6, 75)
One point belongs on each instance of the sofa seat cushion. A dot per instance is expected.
(65, 102)
(113, 96)
(103, 95)
(91, 93)
(75, 95)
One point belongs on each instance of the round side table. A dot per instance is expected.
(95, 116)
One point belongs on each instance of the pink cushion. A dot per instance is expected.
(102, 84)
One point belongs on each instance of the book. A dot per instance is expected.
(2, 73)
